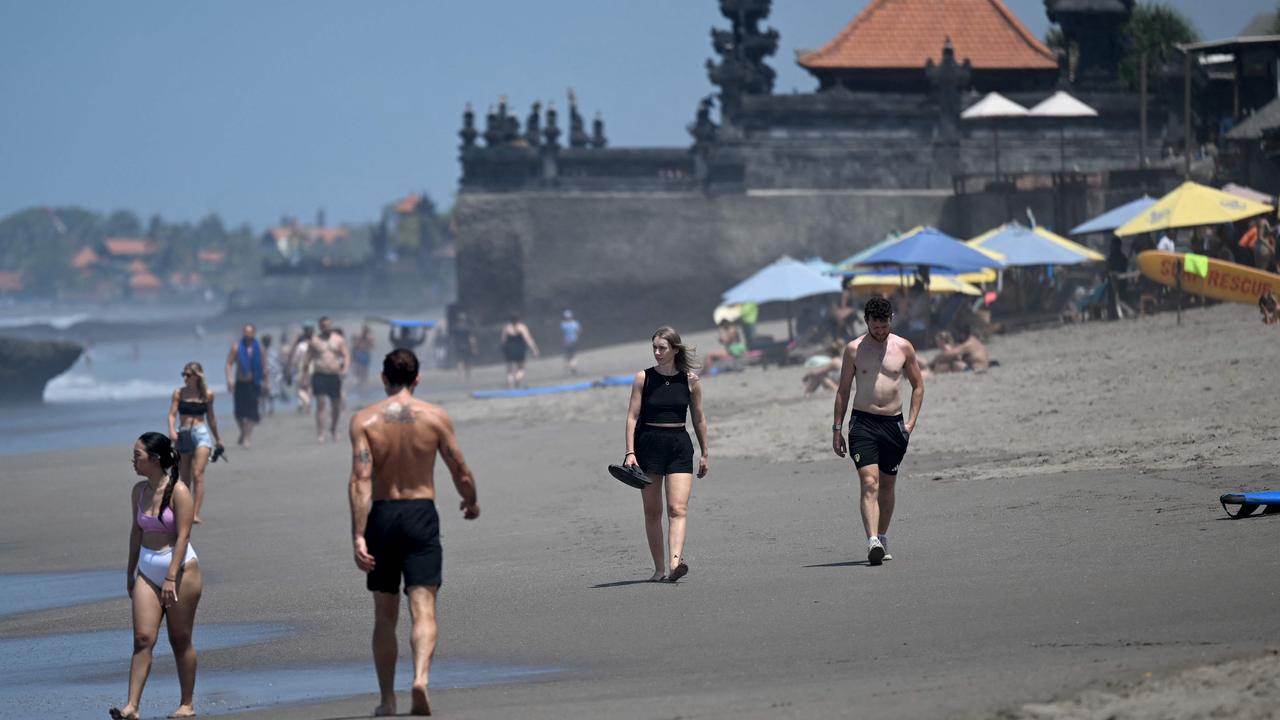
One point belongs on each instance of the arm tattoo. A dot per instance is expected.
(363, 457)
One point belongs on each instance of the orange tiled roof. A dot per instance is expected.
(130, 247)
(907, 33)
(145, 281)
(328, 236)
(408, 204)
(11, 280)
(211, 256)
(137, 266)
(84, 258)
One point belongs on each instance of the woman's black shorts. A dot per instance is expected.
(664, 451)
(878, 440)
(403, 537)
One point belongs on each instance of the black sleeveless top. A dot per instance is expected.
(195, 408)
(665, 398)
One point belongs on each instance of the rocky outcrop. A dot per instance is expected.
(26, 365)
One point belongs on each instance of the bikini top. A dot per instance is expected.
(665, 398)
(196, 408)
(151, 523)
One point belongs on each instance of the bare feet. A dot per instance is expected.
(320, 439)
(657, 576)
(385, 710)
(196, 520)
(421, 705)
(183, 711)
(678, 572)
(128, 713)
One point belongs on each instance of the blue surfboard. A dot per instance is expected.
(1247, 504)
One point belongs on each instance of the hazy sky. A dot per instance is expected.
(255, 108)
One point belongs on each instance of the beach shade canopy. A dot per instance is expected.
(822, 266)
(939, 284)
(1246, 192)
(1115, 217)
(994, 105)
(1024, 246)
(1192, 205)
(1062, 105)
(934, 249)
(856, 259)
(785, 280)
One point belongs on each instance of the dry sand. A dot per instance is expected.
(1057, 533)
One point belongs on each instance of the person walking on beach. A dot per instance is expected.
(301, 367)
(874, 365)
(246, 370)
(661, 398)
(160, 553)
(394, 526)
(362, 355)
(462, 340)
(274, 379)
(193, 429)
(516, 340)
(570, 332)
(330, 359)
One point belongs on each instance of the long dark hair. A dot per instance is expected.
(159, 446)
(685, 359)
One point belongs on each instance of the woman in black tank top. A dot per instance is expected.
(662, 397)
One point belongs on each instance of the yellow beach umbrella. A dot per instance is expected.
(1022, 245)
(888, 282)
(1192, 205)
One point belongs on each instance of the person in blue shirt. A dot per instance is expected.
(570, 331)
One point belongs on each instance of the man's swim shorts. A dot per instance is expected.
(403, 537)
(878, 440)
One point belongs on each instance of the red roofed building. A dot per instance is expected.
(123, 247)
(10, 281)
(84, 259)
(888, 45)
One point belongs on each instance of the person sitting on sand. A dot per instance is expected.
(1267, 305)
(734, 348)
(160, 553)
(958, 356)
(823, 370)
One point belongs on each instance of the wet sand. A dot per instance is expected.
(1057, 537)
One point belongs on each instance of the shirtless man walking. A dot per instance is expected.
(330, 360)
(394, 526)
(875, 364)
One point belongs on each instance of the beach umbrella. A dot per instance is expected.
(1024, 246)
(1192, 205)
(994, 107)
(1246, 192)
(856, 258)
(1115, 217)
(939, 284)
(931, 248)
(1062, 105)
(785, 280)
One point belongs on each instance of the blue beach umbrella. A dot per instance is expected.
(931, 248)
(786, 280)
(1024, 246)
(1115, 217)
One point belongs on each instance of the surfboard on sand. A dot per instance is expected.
(1248, 503)
(1226, 280)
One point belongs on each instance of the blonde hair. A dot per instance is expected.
(685, 358)
(195, 369)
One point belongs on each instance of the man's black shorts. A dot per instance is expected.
(878, 440)
(403, 537)
(327, 384)
(246, 400)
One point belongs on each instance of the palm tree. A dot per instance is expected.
(1154, 30)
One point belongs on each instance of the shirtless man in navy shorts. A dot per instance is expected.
(874, 365)
(394, 526)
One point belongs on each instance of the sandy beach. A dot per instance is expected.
(1059, 552)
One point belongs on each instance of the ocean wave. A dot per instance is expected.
(57, 322)
(85, 388)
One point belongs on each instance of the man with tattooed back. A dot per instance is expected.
(394, 526)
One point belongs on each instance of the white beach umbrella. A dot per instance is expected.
(1062, 105)
(993, 107)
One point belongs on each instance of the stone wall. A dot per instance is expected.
(628, 262)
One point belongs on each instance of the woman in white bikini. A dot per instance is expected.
(160, 553)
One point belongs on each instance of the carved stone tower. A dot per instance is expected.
(742, 50)
(1093, 26)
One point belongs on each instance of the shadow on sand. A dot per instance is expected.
(847, 563)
